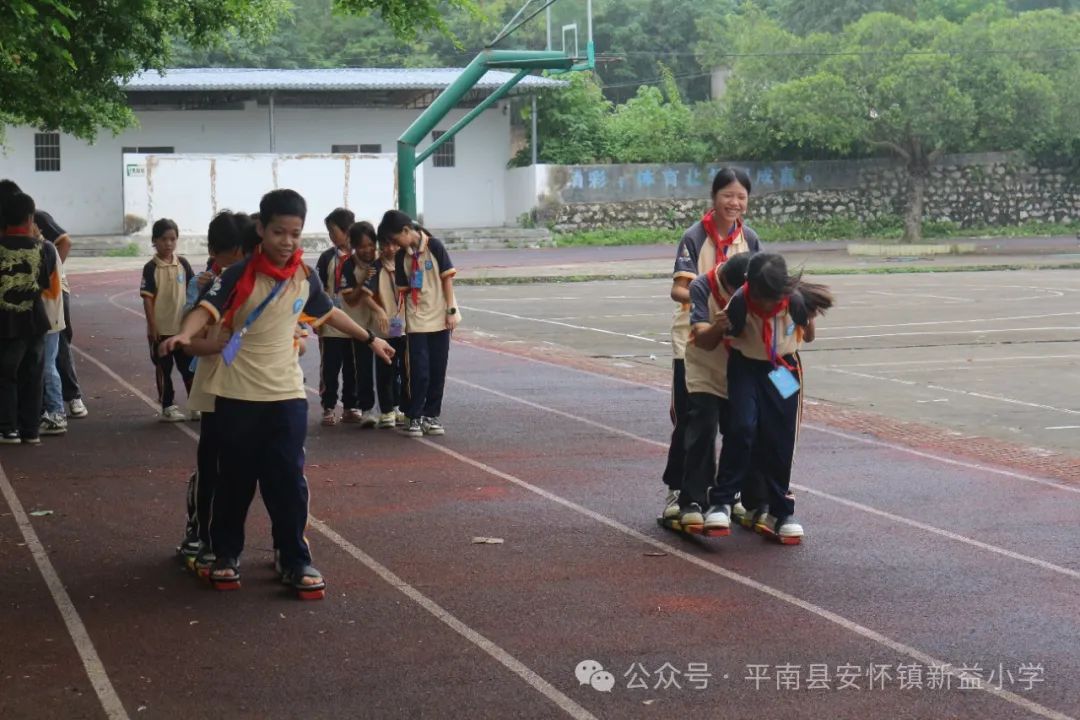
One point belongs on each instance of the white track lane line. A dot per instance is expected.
(723, 572)
(955, 391)
(560, 324)
(971, 465)
(950, 362)
(953, 322)
(504, 658)
(1045, 565)
(772, 592)
(936, 333)
(95, 670)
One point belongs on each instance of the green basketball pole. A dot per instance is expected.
(523, 61)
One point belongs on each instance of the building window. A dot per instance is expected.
(149, 150)
(373, 149)
(444, 156)
(344, 148)
(47, 152)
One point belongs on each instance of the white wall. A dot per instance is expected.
(525, 188)
(86, 196)
(191, 189)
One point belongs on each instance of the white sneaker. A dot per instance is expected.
(172, 414)
(194, 415)
(399, 417)
(387, 420)
(786, 531)
(691, 519)
(77, 408)
(671, 505)
(369, 419)
(741, 515)
(53, 424)
(717, 521)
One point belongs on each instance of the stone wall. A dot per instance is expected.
(968, 190)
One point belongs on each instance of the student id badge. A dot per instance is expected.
(784, 381)
(397, 327)
(417, 280)
(232, 348)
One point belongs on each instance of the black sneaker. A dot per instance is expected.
(414, 428)
(432, 426)
(10, 437)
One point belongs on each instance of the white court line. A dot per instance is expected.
(444, 616)
(772, 592)
(95, 670)
(952, 322)
(908, 295)
(811, 491)
(955, 391)
(562, 324)
(984, 331)
(1063, 427)
(953, 362)
(809, 426)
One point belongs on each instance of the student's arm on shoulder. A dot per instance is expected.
(699, 300)
(318, 305)
(736, 313)
(148, 287)
(216, 297)
(438, 251)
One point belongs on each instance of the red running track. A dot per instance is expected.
(909, 563)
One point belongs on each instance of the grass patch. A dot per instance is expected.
(129, 250)
(885, 230)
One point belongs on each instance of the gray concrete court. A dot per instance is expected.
(986, 353)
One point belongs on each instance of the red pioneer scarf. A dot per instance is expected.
(723, 246)
(246, 284)
(767, 326)
(339, 267)
(23, 230)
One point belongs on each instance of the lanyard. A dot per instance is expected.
(250, 320)
(339, 268)
(415, 269)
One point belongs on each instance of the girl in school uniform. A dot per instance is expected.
(770, 316)
(361, 306)
(424, 272)
(719, 234)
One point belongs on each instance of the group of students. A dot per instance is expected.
(39, 389)
(736, 334)
(236, 332)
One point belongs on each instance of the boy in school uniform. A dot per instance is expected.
(362, 306)
(424, 272)
(164, 291)
(719, 234)
(25, 271)
(335, 347)
(259, 390)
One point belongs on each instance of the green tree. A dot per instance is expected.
(63, 63)
(572, 124)
(912, 89)
(654, 126)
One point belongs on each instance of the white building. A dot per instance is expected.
(243, 111)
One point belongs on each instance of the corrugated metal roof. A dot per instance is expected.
(189, 79)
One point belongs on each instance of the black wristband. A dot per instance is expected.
(370, 337)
